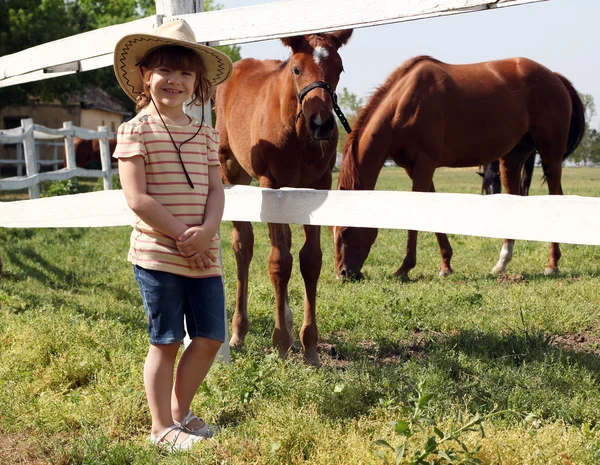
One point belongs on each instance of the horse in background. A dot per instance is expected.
(429, 114)
(277, 125)
(491, 183)
(87, 152)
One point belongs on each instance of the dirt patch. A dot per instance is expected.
(585, 341)
(506, 278)
(14, 449)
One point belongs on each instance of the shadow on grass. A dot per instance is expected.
(44, 272)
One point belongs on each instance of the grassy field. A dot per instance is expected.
(424, 367)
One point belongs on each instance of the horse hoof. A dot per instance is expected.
(549, 271)
(444, 273)
(236, 342)
(498, 270)
(312, 358)
(402, 276)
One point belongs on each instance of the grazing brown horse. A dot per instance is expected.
(430, 114)
(277, 125)
(87, 152)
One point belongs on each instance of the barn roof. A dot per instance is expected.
(97, 98)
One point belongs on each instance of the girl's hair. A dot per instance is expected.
(174, 57)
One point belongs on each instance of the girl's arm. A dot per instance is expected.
(132, 172)
(196, 239)
(215, 202)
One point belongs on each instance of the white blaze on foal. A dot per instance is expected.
(319, 54)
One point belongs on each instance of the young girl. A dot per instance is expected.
(169, 170)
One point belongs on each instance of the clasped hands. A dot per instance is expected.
(193, 246)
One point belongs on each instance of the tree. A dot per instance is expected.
(27, 23)
(232, 51)
(594, 146)
(350, 105)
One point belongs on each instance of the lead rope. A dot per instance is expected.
(336, 107)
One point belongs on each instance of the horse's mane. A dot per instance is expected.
(349, 177)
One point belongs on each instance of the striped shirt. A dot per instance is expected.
(166, 183)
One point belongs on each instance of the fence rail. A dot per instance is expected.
(27, 135)
(94, 49)
(565, 219)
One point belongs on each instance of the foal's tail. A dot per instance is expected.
(577, 128)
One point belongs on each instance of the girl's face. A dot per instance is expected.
(171, 88)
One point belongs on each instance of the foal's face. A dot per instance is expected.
(316, 58)
(352, 247)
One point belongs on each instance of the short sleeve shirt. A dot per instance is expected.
(166, 183)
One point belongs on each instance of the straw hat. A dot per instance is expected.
(131, 49)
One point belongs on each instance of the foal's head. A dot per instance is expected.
(315, 60)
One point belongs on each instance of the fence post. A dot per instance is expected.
(71, 162)
(30, 159)
(105, 158)
(19, 159)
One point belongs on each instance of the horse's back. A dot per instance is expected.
(492, 105)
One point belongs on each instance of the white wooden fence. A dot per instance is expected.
(29, 132)
(562, 219)
(94, 49)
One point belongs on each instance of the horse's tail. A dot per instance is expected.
(577, 127)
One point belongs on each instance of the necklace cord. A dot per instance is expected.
(178, 149)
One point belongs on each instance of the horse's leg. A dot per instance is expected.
(553, 173)
(445, 249)
(242, 243)
(422, 176)
(280, 270)
(510, 174)
(311, 260)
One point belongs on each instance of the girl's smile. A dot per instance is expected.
(171, 88)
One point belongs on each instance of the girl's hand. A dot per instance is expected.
(193, 241)
(201, 261)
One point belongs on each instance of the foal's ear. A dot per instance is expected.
(293, 42)
(340, 37)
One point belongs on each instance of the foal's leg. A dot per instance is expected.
(242, 243)
(311, 260)
(510, 174)
(280, 270)
(422, 177)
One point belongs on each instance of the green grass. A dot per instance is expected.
(73, 340)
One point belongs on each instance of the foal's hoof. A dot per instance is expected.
(444, 273)
(549, 271)
(236, 342)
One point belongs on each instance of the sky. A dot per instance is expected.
(563, 35)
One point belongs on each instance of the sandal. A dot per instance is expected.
(172, 443)
(206, 431)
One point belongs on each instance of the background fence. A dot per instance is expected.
(27, 135)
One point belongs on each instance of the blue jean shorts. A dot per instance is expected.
(169, 298)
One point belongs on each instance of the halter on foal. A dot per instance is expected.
(277, 125)
(430, 114)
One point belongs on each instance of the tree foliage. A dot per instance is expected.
(350, 104)
(27, 23)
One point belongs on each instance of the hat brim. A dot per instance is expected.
(130, 50)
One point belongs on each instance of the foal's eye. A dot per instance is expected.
(296, 70)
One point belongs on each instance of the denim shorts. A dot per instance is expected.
(169, 298)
